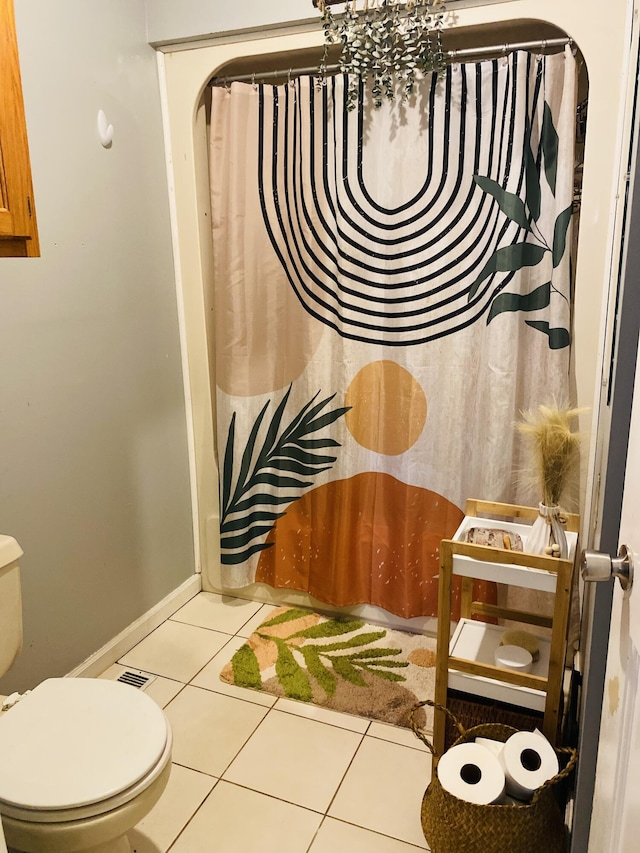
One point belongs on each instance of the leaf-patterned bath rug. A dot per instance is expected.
(343, 664)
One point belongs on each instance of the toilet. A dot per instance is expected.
(82, 760)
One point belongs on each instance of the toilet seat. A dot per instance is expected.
(75, 748)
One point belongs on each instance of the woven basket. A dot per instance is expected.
(471, 711)
(451, 825)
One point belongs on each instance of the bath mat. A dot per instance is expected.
(343, 664)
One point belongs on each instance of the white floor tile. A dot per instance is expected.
(397, 734)
(255, 774)
(218, 612)
(335, 836)
(323, 715)
(383, 790)
(254, 623)
(236, 820)
(209, 729)
(175, 650)
(161, 690)
(209, 677)
(295, 759)
(182, 797)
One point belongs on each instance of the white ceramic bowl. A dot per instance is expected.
(514, 657)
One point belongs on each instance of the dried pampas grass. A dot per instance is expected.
(555, 449)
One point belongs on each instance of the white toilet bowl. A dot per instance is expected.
(83, 761)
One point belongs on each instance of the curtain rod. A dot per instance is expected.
(451, 56)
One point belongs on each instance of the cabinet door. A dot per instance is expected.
(6, 216)
(18, 230)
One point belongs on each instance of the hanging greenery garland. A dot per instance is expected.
(386, 43)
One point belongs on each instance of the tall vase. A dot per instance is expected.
(547, 531)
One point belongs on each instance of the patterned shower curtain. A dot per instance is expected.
(392, 288)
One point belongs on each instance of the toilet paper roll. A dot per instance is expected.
(494, 746)
(472, 773)
(528, 761)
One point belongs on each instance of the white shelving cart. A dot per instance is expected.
(465, 661)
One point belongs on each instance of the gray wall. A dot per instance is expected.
(169, 21)
(93, 450)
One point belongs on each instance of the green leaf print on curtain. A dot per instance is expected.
(285, 460)
(526, 215)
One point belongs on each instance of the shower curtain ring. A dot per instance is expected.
(253, 81)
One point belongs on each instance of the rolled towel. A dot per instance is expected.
(494, 538)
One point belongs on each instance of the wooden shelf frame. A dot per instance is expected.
(559, 623)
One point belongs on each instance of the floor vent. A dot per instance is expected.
(136, 678)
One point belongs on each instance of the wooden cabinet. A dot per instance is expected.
(18, 229)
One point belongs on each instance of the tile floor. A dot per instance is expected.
(256, 774)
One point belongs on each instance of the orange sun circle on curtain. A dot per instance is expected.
(388, 408)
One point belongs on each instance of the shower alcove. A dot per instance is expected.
(185, 72)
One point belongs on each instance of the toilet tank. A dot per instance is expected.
(10, 602)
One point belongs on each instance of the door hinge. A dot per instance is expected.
(29, 206)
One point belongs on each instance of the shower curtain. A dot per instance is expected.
(392, 288)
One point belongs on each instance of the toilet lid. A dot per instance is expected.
(75, 741)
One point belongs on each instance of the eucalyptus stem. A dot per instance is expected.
(386, 43)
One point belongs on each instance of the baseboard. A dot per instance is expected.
(131, 636)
